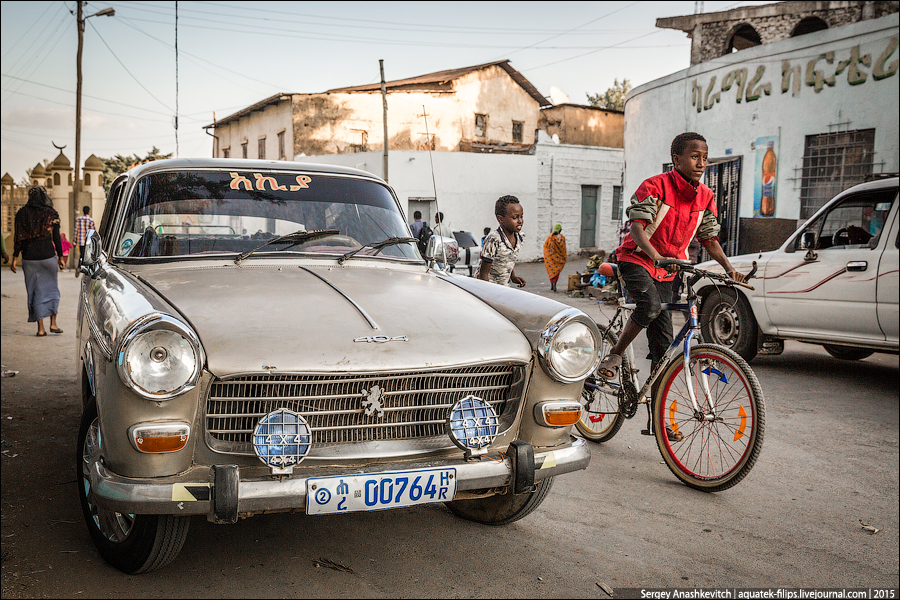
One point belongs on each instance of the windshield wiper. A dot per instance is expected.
(298, 237)
(378, 246)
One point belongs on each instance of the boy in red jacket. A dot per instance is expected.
(667, 211)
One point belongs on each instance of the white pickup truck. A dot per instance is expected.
(833, 282)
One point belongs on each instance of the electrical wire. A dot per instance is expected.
(127, 70)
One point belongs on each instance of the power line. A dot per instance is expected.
(126, 68)
(52, 87)
(33, 23)
(105, 112)
(571, 30)
(556, 62)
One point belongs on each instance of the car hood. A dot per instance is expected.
(290, 318)
(743, 263)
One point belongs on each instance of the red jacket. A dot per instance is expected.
(672, 212)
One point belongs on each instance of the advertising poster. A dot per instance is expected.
(765, 191)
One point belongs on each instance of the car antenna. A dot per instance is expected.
(433, 183)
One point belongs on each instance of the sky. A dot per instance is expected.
(233, 54)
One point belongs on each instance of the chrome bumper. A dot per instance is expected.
(194, 493)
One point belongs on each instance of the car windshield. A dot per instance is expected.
(190, 213)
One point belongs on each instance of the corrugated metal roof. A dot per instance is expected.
(441, 78)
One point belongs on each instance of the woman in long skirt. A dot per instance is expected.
(555, 254)
(37, 239)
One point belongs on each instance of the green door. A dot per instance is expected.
(589, 194)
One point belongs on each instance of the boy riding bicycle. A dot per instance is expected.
(666, 211)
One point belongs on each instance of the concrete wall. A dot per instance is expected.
(562, 170)
(732, 119)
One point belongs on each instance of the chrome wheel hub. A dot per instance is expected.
(114, 526)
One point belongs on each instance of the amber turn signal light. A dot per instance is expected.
(155, 438)
(557, 414)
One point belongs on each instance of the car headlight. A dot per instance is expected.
(568, 348)
(159, 357)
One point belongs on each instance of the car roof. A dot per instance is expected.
(876, 184)
(174, 164)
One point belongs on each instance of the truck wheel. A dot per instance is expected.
(502, 510)
(131, 543)
(847, 353)
(727, 320)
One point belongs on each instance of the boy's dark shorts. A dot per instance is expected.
(649, 295)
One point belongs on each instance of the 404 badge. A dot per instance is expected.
(379, 491)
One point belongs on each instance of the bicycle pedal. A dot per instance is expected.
(646, 432)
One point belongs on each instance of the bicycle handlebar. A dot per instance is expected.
(686, 265)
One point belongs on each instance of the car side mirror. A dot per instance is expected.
(808, 243)
(437, 246)
(92, 261)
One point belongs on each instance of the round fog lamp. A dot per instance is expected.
(472, 424)
(282, 439)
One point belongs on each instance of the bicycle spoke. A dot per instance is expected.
(721, 442)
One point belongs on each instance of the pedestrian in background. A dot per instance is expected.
(440, 227)
(37, 239)
(501, 247)
(487, 230)
(555, 254)
(66, 246)
(417, 224)
(83, 224)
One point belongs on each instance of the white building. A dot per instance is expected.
(827, 102)
(572, 185)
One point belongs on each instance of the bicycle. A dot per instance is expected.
(709, 441)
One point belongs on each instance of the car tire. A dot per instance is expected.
(502, 509)
(131, 543)
(726, 319)
(847, 353)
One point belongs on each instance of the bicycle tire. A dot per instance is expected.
(602, 418)
(713, 455)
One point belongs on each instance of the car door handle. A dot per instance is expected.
(857, 265)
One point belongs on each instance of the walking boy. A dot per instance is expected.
(667, 211)
(83, 224)
(500, 248)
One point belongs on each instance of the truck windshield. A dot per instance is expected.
(190, 213)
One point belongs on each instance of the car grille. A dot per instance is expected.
(415, 405)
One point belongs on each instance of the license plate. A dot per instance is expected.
(379, 491)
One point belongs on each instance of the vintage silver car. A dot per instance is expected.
(261, 336)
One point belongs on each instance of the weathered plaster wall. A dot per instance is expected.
(813, 99)
(267, 122)
(492, 92)
(582, 125)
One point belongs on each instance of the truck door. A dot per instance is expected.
(888, 286)
(832, 292)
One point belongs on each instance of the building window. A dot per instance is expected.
(518, 126)
(226, 152)
(809, 25)
(363, 145)
(832, 162)
(281, 155)
(617, 203)
(480, 125)
(87, 179)
(244, 149)
(261, 153)
(743, 37)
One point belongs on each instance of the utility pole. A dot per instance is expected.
(384, 102)
(76, 184)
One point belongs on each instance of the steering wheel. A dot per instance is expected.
(841, 237)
